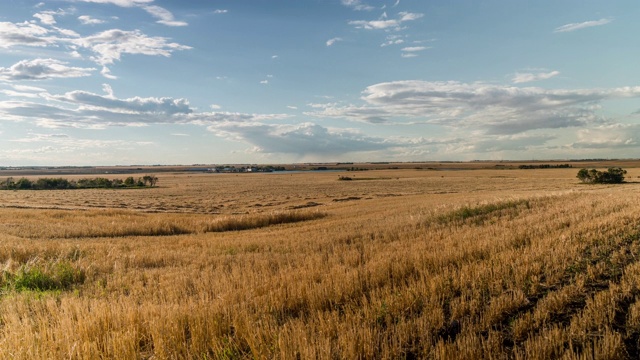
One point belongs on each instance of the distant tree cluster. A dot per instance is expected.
(545, 166)
(62, 184)
(613, 175)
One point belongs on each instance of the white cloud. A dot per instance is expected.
(42, 69)
(111, 44)
(106, 72)
(121, 3)
(582, 25)
(332, 41)
(529, 77)
(81, 109)
(23, 34)
(304, 139)
(165, 16)
(493, 109)
(383, 23)
(166, 106)
(407, 16)
(414, 48)
(610, 136)
(88, 20)
(28, 88)
(108, 90)
(357, 5)
(264, 82)
(107, 46)
(221, 11)
(45, 18)
(411, 51)
(393, 40)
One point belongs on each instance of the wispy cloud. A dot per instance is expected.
(121, 3)
(393, 40)
(108, 46)
(357, 5)
(582, 25)
(332, 41)
(412, 51)
(88, 20)
(384, 23)
(519, 78)
(163, 15)
(220, 11)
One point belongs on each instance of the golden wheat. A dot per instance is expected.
(425, 264)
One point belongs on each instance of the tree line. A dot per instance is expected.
(63, 184)
(545, 166)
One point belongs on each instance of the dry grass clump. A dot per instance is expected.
(421, 275)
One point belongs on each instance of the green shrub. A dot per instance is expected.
(613, 175)
(60, 276)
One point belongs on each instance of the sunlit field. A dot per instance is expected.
(394, 264)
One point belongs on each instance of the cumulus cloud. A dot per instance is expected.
(519, 78)
(24, 33)
(582, 25)
(495, 109)
(221, 11)
(46, 17)
(42, 69)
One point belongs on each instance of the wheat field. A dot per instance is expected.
(398, 264)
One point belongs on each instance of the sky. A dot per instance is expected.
(143, 82)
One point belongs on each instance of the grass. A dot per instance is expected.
(123, 223)
(422, 267)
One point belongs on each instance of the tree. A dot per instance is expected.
(150, 179)
(130, 181)
(23, 184)
(613, 175)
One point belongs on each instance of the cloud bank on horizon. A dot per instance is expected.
(101, 82)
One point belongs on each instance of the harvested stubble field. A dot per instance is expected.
(502, 264)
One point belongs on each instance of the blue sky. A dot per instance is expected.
(106, 82)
